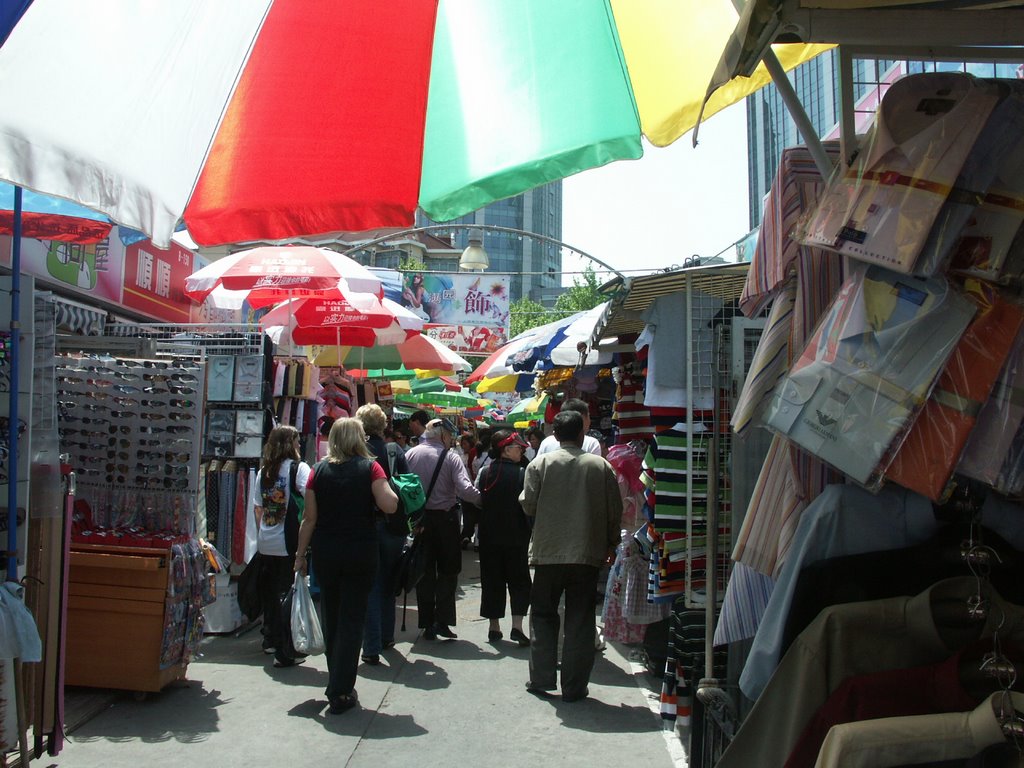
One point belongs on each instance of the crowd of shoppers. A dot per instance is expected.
(502, 492)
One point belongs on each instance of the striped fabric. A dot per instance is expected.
(631, 418)
(746, 598)
(789, 478)
(770, 362)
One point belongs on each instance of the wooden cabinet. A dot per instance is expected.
(117, 618)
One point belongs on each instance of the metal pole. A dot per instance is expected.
(12, 407)
(485, 228)
(796, 111)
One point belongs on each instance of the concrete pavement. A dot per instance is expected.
(441, 703)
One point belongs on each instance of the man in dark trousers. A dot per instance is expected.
(574, 500)
(435, 594)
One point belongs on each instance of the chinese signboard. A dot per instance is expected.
(139, 277)
(468, 313)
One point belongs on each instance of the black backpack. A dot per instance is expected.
(293, 517)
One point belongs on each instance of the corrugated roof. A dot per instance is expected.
(623, 314)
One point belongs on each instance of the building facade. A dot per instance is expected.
(770, 129)
(535, 266)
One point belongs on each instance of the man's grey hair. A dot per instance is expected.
(435, 429)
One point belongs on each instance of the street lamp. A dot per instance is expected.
(474, 257)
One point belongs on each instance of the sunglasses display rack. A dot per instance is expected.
(131, 428)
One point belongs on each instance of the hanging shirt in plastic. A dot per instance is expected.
(882, 208)
(986, 456)
(984, 244)
(931, 449)
(868, 369)
(966, 224)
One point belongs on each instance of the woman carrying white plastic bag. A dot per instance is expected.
(307, 636)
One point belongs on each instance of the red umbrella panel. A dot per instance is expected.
(338, 335)
(266, 275)
(349, 309)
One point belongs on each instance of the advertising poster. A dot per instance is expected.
(467, 339)
(468, 313)
(471, 299)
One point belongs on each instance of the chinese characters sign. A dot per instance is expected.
(468, 313)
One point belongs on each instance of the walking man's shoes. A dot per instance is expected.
(340, 704)
(443, 630)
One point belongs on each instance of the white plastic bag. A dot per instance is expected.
(305, 624)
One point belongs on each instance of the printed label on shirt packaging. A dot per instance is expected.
(905, 292)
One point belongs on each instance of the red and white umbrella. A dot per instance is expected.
(266, 275)
(340, 308)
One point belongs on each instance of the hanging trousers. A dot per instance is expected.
(435, 594)
(504, 568)
(579, 585)
(345, 570)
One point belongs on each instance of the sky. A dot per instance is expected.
(672, 203)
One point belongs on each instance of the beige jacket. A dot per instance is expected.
(574, 500)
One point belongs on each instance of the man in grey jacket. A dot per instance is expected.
(574, 500)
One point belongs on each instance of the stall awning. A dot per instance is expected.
(78, 318)
(622, 316)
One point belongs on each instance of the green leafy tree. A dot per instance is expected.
(525, 313)
(584, 294)
(411, 263)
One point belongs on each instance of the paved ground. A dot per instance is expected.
(450, 703)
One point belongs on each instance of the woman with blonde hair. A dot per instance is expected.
(283, 478)
(342, 496)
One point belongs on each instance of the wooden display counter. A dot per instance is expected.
(117, 598)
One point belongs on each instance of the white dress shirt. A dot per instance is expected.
(882, 208)
(915, 739)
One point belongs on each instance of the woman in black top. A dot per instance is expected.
(344, 492)
(504, 537)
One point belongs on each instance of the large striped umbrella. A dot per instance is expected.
(261, 121)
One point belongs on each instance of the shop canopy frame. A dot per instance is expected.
(864, 29)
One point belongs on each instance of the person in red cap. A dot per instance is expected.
(504, 537)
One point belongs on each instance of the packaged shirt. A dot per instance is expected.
(931, 449)
(881, 209)
(998, 423)
(984, 243)
(868, 369)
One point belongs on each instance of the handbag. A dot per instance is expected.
(307, 637)
(250, 601)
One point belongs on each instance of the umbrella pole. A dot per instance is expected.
(12, 407)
